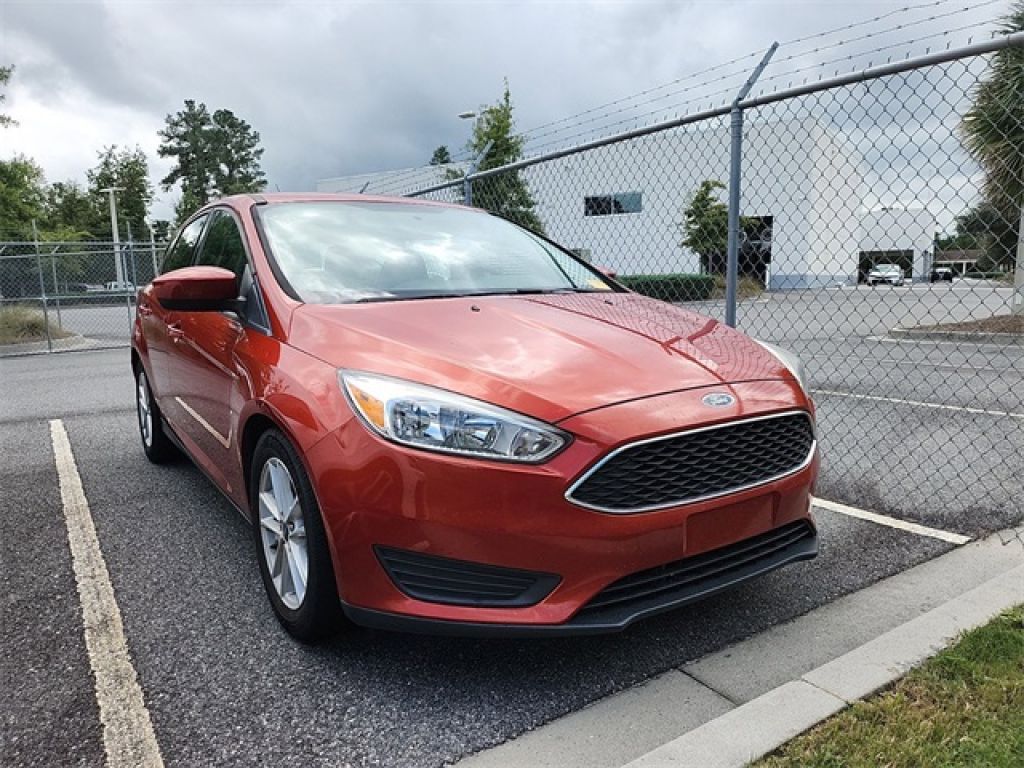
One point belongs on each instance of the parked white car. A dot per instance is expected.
(115, 285)
(885, 273)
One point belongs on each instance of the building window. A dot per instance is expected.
(608, 205)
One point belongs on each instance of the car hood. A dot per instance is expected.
(550, 356)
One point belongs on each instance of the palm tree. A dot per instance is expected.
(993, 132)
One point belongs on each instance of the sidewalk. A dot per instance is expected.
(741, 702)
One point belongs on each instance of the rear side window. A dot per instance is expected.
(223, 245)
(180, 253)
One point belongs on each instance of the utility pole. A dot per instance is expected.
(118, 266)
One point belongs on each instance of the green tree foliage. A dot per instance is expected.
(127, 169)
(71, 213)
(706, 233)
(161, 230)
(993, 132)
(237, 154)
(706, 226)
(5, 76)
(505, 194)
(22, 197)
(215, 154)
(441, 156)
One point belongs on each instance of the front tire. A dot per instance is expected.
(295, 561)
(155, 443)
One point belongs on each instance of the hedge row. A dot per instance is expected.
(673, 287)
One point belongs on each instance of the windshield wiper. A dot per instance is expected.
(471, 294)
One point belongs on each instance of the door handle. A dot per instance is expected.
(144, 310)
(174, 332)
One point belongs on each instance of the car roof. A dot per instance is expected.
(261, 198)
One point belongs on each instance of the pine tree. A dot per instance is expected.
(505, 194)
(216, 154)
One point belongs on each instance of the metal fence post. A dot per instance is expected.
(732, 264)
(152, 251)
(56, 290)
(1017, 302)
(42, 288)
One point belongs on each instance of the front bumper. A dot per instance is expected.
(375, 494)
(635, 597)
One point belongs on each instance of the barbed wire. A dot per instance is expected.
(554, 136)
(623, 113)
(702, 97)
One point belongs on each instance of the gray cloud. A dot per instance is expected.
(345, 88)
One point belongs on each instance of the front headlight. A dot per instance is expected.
(788, 359)
(425, 417)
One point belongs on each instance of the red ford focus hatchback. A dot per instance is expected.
(438, 421)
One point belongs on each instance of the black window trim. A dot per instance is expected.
(264, 319)
(203, 212)
(262, 323)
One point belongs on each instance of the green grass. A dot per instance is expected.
(965, 707)
(19, 324)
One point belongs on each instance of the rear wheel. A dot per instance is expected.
(295, 561)
(157, 446)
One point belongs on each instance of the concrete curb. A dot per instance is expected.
(972, 336)
(73, 343)
(760, 726)
(632, 723)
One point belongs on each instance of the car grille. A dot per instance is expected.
(457, 582)
(698, 464)
(686, 580)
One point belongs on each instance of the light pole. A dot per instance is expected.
(467, 185)
(118, 266)
(152, 246)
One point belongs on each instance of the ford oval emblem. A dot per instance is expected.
(718, 399)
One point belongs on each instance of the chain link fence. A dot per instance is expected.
(62, 296)
(847, 221)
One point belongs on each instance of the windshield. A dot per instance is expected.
(334, 252)
(887, 268)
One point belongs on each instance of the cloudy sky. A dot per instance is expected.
(338, 88)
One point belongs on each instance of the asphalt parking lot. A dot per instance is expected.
(920, 432)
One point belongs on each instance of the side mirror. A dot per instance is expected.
(198, 289)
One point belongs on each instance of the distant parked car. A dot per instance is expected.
(885, 273)
(119, 285)
(942, 274)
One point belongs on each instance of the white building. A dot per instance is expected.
(621, 206)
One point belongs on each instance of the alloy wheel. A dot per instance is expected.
(145, 410)
(283, 533)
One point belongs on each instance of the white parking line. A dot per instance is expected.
(917, 403)
(128, 737)
(892, 522)
(958, 343)
(913, 363)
